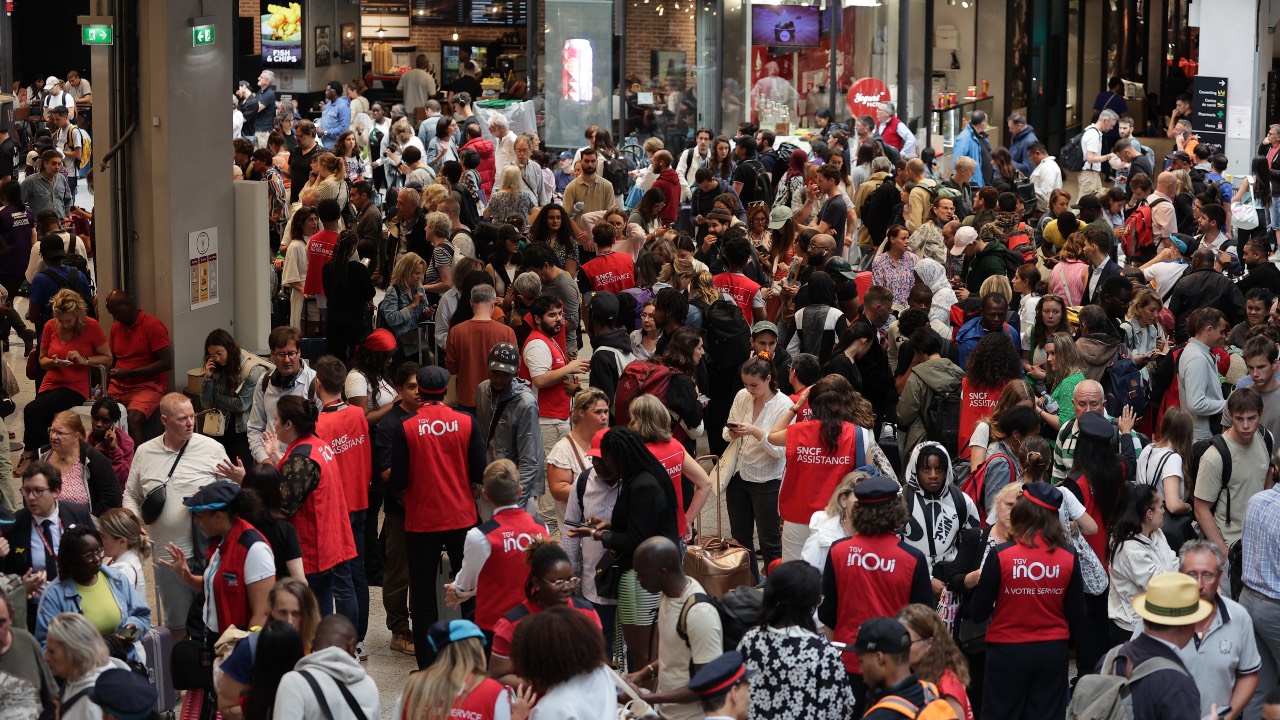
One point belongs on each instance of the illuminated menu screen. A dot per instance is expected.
(498, 12)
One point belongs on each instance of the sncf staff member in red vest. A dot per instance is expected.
(739, 288)
(608, 270)
(241, 570)
(820, 452)
(457, 684)
(346, 429)
(494, 569)
(313, 499)
(873, 573)
(550, 583)
(1032, 591)
(437, 464)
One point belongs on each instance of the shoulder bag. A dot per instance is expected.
(153, 503)
(1091, 570)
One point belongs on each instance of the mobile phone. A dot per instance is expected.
(734, 425)
(128, 633)
(575, 523)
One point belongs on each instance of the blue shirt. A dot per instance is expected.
(335, 120)
(1261, 537)
(43, 288)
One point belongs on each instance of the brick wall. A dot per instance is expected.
(250, 8)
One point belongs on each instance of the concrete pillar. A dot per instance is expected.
(181, 158)
(1244, 61)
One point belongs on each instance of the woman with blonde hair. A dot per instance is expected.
(510, 196)
(70, 342)
(432, 196)
(457, 684)
(934, 657)
(87, 477)
(703, 292)
(567, 459)
(830, 525)
(998, 284)
(126, 543)
(403, 305)
(77, 654)
(1066, 370)
(328, 173)
(1069, 275)
(651, 420)
(1143, 333)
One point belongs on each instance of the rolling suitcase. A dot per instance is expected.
(157, 645)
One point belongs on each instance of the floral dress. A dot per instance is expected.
(799, 676)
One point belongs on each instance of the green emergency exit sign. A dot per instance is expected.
(202, 35)
(97, 35)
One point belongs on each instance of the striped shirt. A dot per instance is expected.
(1261, 537)
(584, 553)
(1064, 454)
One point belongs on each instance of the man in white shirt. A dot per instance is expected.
(181, 462)
(56, 95)
(504, 141)
(1047, 176)
(79, 88)
(695, 157)
(1167, 266)
(659, 570)
(1091, 145)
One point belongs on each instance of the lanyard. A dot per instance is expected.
(48, 549)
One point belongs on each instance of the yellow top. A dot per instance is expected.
(98, 605)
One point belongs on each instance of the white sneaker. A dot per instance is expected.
(361, 654)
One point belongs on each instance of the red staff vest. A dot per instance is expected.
(739, 287)
(671, 455)
(976, 403)
(438, 497)
(553, 401)
(230, 591)
(614, 271)
(346, 430)
(477, 704)
(874, 576)
(813, 470)
(322, 522)
(319, 252)
(1033, 593)
(500, 586)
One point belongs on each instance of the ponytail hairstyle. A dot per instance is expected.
(296, 411)
(122, 523)
(1039, 457)
(761, 366)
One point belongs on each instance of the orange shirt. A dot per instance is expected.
(137, 345)
(86, 343)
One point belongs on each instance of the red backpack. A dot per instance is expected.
(1136, 237)
(976, 484)
(640, 377)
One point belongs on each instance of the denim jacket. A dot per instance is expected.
(61, 596)
(394, 313)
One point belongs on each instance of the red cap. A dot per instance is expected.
(595, 442)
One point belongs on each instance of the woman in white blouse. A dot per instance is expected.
(125, 543)
(1138, 552)
(752, 495)
(568, 457)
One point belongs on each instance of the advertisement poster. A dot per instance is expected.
(785, 25)
(282, 34)
(203, 254)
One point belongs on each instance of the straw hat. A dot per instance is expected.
(1172, 599)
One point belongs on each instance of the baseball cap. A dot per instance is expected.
(837, 264)
(52, 248)
(603, 306)
(503, 358)
(595, 442)
(779, 217)
(1180, 241)
(763, 326)
(882, 634)
(965, 237)
(50, 83)
(447, 632)
(566, 155)
(1088, 202)
(214, 496)
(1180, 155)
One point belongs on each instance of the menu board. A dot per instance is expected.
(498, 12)
(282, 24)
(437, 12)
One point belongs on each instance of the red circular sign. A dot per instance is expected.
(864, 94)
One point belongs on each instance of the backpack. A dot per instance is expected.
(86, 146)
(615, 170)
(934, 708)
(640, 377)
(1219, 442)
(728, 335)
(1199, 180)
(349, 214)
(760, 183)
(1123, 385)
(739, 611)
(622, 359)
(1071, 156)
(942, 418)
(1020, 249)
(778, 163)
(1136, 237)
(70, 281)
(877, 209)
(957, 497)
(1108, 695)
(975, 486)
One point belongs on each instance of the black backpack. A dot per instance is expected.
(878, 209)
(728, 335)
(760, 183)
(1217, 441)
(1071, 156)
(1124, 385)
(617, 171)
(739, 611)
(779, 166)
(942, 418)
(70, 281)
(1199, 180)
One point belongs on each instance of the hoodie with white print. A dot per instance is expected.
(936, 518)
(331, 667)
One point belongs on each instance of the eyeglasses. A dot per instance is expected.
(563, 584)
(33, 492)
(1206, 576)
(285, 355)
(94, 554)
(58, 433)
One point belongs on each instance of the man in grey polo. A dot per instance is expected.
(181, 462)
(1223, 655)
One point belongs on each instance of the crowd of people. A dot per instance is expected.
(963, 430)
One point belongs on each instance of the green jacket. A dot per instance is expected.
(931, 376)
(989, 261)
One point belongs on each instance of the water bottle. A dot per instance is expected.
(1050, 405)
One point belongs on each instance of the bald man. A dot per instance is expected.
(1164, 222)
(1088, 397)
(658, 566)
(143, 359)
(1204, 286)
(332, 666)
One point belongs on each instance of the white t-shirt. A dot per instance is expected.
(1091, 142)
(1165, 275)
(259, 564)
(1149, 463)
(981, 436)
(566, 454)
(357, 385)
(674, 654)
(1070, 510)
(588, 696)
